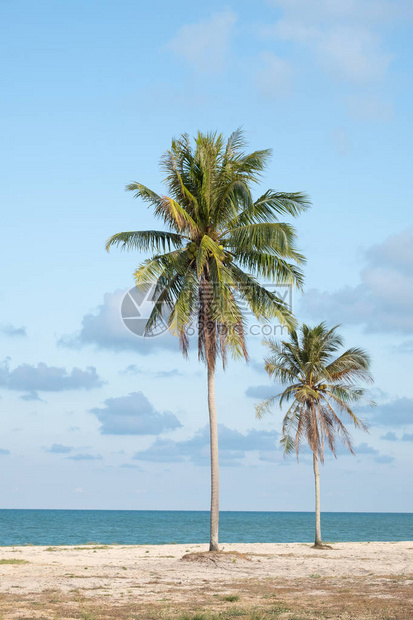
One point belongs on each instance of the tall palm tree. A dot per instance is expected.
(217, 243)
(321, 389)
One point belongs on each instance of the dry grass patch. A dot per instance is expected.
(215, 557)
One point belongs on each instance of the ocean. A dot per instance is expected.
(129, 527)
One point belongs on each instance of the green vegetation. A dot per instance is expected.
(13, 561)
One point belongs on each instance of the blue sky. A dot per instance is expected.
(92, 95)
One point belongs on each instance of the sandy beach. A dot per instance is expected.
(363, 580)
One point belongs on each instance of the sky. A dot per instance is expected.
(93, 416)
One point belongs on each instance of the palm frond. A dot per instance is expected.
(144, 240)
(273, 204)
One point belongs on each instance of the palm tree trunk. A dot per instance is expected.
(213, 434)
(318, 541)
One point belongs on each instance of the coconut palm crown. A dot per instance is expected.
(321, 388)
(217, 244)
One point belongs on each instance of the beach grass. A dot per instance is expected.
(85, 610)
(294, 600)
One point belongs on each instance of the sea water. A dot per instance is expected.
(129, 527)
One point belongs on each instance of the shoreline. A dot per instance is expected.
(205, 544)
(207, 511)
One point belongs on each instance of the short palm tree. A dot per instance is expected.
(320, 388)
(217, 243)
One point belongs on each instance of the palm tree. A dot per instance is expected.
(217, 243)
(321, 388)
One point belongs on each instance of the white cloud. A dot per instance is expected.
(395, 413)
(352, 53)
(133, 369)
(384, 298)
(390, 436)
(133, 415)
(274, 76)
(345, 36)
(395, 252)
(105, 329)
(404, 347)
(233, 447)
(58, 448)
(12, 331)
(205, 45)
(31, 379)
(85, 457)
(363, 11)
(384, 459)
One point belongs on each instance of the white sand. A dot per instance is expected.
(156, 570)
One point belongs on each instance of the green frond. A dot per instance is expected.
(271, 267)
(207, 250)
(271, 205)
(235, 143)
(184, 309)
(264, 304)
(274, 237)
(145, 240)
(151, 269)
(143, 192)
(177, 217)
(264, 407)
(288, 443)
(352, 365)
